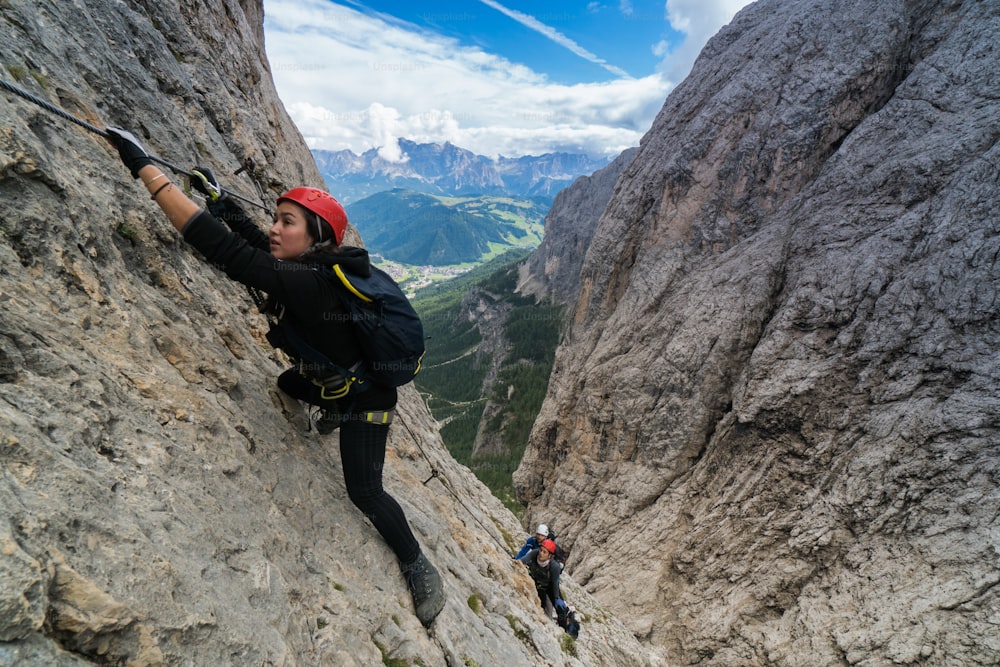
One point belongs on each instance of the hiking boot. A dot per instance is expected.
(425, 587)
(326, 421)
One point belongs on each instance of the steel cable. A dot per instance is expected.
(34, 99)
(446, 483)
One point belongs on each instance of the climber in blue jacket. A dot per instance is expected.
(534, 541)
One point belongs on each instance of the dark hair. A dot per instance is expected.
(313, 222)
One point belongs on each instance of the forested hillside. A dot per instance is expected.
(420, 229)
(489, 355)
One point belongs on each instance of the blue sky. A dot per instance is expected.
(506, 77)
(570, 42)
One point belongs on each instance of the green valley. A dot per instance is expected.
(414, 228)
(489, 355)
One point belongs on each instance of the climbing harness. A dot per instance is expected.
(104, 133)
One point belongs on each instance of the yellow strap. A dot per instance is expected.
(383, 417)
(347, 283)
(335, 394)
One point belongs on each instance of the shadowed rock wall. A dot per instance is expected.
(553, 270)
(780, 386)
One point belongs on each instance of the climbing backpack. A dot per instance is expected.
(567, 618)
(389, 329)
(560, 554)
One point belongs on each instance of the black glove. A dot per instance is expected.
(133, 155)
(202, 180)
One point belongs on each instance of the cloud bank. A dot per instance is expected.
(358, 80)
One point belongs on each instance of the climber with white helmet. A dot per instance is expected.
(542, 533)
(533, 541)
(291, 264)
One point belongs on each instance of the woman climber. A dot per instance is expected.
(306, 234)
(545, 571)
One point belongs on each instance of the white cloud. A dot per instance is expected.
(355, 80)
(698, 20)
(554, 35)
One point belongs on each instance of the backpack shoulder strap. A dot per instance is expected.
(345, 281)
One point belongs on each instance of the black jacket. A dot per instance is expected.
(307, 299)
(546, 578)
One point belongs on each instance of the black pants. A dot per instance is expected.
(362, 452)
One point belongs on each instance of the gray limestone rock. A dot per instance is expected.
(780, 382)
(553, 269)
(22, 599)
(160, 502)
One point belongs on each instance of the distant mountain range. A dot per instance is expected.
(446, 169)
(427, 230)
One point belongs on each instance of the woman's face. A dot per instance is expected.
(289, 234)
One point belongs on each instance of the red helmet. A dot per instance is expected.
(322, 204)
(549, 546)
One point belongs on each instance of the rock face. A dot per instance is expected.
(160, 502)
(553, 270)
(780, 387)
